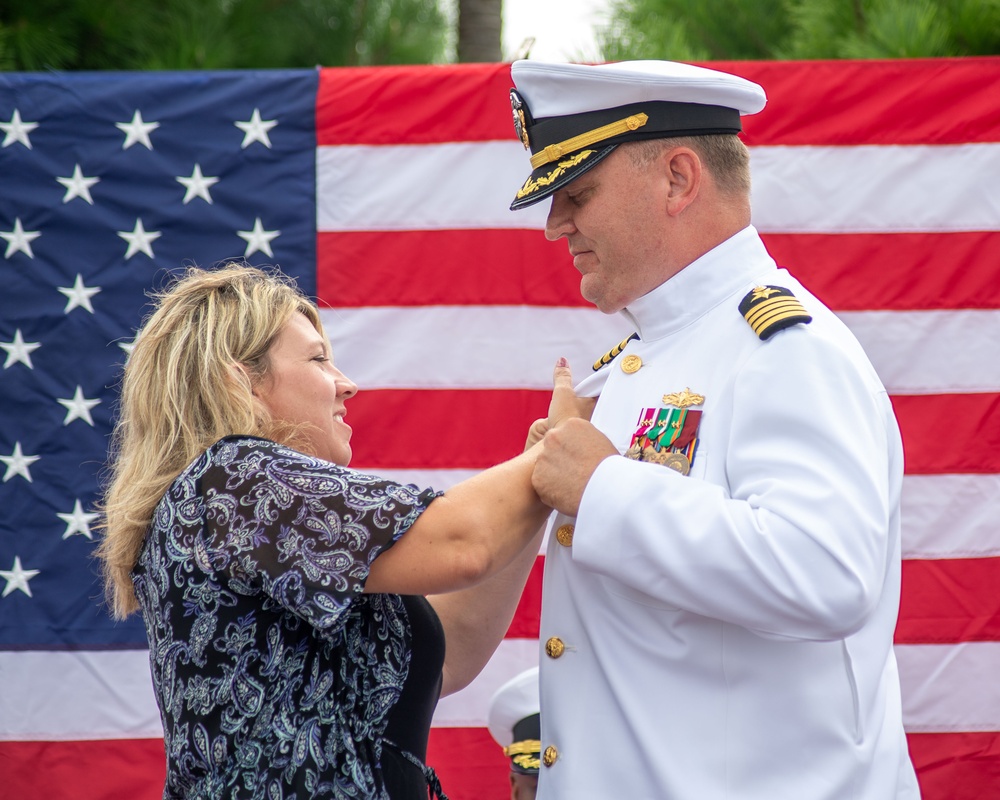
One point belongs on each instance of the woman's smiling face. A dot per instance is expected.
(303, 387)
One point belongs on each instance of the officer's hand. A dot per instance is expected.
(563, 405)
(570, 453)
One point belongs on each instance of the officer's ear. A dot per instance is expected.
(682, 170)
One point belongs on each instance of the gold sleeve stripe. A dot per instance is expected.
(762, 314)
(610, 356)
(766, 322)
(554, 152)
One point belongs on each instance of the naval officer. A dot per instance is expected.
(723, 569)
(513, 722)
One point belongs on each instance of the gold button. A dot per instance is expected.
(631, 364)
(549, 756)
(554, 647)
(565, 535)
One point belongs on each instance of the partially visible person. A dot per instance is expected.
(722, 577)
(514, 724)
(293, 652)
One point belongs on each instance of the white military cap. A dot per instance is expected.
(572, 116)
(514, 724)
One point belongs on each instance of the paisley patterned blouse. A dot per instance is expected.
(274, 674)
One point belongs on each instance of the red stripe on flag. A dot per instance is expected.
(946, 601)
(469, 763)
(469, 267)
(866, 272)
(956, 766)
(414, 104)
(950, 433)
(115, 769)
(905, 101)
(849, 272)
(427, 104)
(474, 429)
(441, 429)
(528, 615)
(950, 766)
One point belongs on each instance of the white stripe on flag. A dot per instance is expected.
(498, 347)
(945, 687)
(77, 695)
(468, 708)
(951, 516)
(944, 516)
(866, 188)
(454, 186)
(108, 695)
(468, 347)
(439, 479)
(931, 352)
(876, 188)
(948, 688)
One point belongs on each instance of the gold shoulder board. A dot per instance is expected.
(769, 309)
(609, 356)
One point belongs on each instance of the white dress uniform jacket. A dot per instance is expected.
(728, 633)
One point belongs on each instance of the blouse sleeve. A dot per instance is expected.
(299, 529)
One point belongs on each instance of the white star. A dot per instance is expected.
(258, 239)
(137, 131)
(19, 351)
(128, 347)
(78, 186)
(197, 185)
(78, 407)
(17, 131)
(255, 130)
(77, 521)
(139, 240)
(79, 295)
(18, 463)
(17, 577)
(19, 240)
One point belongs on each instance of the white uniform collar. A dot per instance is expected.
(700, 286)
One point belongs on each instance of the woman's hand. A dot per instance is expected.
(563, 405)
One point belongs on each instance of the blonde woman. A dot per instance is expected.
(303, 618)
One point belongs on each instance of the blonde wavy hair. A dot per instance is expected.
(188, 383)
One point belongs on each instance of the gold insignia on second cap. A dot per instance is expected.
(527, 761)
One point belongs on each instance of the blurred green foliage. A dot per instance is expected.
(708, 30)
(218, 34)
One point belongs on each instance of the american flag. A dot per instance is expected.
(384, 191)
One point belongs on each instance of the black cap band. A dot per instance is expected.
(665, 119)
